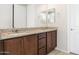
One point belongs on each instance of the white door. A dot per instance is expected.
(75, 40)
(74, 27)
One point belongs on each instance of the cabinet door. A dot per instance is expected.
(54, 39)
(30, 45)
(42, 46)
(13, 46)
(1, 47)
(51, 41)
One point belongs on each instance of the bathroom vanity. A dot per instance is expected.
(33, 42)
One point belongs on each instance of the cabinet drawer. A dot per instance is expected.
(42, 42)
(41, 35)
(42, 51)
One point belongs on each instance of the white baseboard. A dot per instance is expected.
(62, 50)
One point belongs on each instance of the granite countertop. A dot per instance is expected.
(25, 32)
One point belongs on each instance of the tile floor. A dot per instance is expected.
(57, 52)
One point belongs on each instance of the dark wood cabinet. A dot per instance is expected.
(21, 46)
(51, 41)
(13, 46)
(54, 39)
(30, 45)
(36, 44)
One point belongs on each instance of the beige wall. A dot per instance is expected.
(61, 23)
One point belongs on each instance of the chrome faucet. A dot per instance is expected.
(14, 30)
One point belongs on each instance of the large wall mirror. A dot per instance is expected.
(23, 15)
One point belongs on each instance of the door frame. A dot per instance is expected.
(69, 28)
